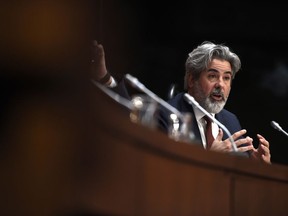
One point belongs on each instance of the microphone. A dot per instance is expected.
(276, 126)
(172, 91)
(121, 100)
(191, 100)
(136, 83)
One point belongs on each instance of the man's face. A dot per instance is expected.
(213, 87)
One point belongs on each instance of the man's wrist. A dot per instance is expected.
(108, 80)
(105, 79)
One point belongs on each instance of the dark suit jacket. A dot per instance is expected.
(227, 118)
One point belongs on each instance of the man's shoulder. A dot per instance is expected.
(226, 112)
(177, 98)
(224, 115)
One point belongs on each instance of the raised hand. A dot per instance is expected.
(98, 64)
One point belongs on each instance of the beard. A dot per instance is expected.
(207, 102)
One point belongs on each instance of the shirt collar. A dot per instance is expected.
(199, 114)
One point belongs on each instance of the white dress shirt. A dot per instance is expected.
(202, 125)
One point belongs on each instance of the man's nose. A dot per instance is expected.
(220, 82)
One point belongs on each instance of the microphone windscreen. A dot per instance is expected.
(275, 125)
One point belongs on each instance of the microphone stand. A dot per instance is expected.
(121, 100)
(135, 82)
(185, 134)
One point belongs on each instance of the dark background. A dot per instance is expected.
(151, 40)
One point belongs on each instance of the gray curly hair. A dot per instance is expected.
(199, 59)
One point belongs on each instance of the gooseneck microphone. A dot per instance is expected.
(136, 83)
(121, 100)
(191, 100)
(276, 126)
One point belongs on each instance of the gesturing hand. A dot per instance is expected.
(226, 145)
(98, 64)
(262, 153)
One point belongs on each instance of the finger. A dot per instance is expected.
(239, 134)
(95, 42)
(247, 140)
(97, 49)
(220, 135)
(265, 149)
(246, 148)
(263, 141)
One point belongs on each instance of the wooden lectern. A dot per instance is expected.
(134, 170)
(88, 158)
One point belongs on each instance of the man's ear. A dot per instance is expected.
(190, 81)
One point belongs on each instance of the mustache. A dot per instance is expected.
(218, 92)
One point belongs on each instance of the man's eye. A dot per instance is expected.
(227, 78)
(212, 76)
